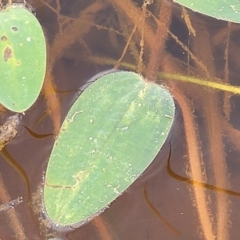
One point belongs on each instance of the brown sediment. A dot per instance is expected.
(102, 228)
(14, 220)
(210, 105)
(196, 167)
(164, 20)
(53, 103)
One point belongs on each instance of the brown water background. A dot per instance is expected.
(199, 196)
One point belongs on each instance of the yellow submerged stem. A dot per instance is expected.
(175, 77)
(203, 82)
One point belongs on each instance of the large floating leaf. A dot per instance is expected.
(228, 10)
(22, 58)
(109, 137)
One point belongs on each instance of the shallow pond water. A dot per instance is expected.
(191, 194)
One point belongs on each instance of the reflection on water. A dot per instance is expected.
(192, 195)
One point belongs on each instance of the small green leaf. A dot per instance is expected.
(109, 137)
(228, 10)
(22, 58)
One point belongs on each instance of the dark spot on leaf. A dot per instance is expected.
(14, 29)
(7, 54)
(3, 38)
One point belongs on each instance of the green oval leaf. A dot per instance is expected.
(22, 58)
(109, 137)
(228, 10)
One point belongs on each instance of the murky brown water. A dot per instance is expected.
(196, 194)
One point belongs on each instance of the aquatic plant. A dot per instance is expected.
(23, 58)
(139, 39)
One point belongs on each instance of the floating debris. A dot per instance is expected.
(9, 130)
(11, 204)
